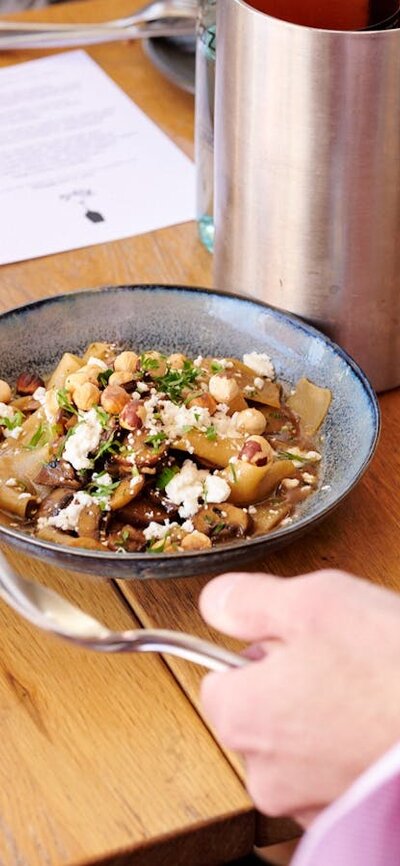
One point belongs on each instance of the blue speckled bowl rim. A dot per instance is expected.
(252, 544)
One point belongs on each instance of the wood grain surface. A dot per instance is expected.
(107, 759)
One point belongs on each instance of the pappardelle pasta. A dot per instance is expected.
(132, 452)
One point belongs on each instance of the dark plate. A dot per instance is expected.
(197, 321)
(175, 59)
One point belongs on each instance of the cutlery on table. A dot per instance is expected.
(51, 612)
(71, 38)
(157, 18)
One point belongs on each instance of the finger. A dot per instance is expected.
(279, 787)
(246, 606)
(231, 702)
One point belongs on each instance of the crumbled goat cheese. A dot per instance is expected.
(13, 434)
(258, 383)
(40, 395)
(188, 526)
(176, 419)
(308, 478)
(142, 387)
(260, 363)
(96, 362)
(191, 484)
(311, 456)
(102, 478)
(157, 531)
(290, 483)
(67, 519)
(11, 482)
(84, 439)
(198, 361)
(8, 412)
(48, 400)
(216, 489)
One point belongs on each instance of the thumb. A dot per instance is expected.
(246, 606)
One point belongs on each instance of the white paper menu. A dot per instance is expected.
(80, 163)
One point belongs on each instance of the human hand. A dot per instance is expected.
(322, 702)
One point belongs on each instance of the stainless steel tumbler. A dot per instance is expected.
(307, 177)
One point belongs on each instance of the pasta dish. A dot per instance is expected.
(126, 452)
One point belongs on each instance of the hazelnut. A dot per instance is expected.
(5, 392)
(80, 377)
(126, 362)
(251, 421)
(132, 415)
(113, 399)
(148, 364)
(224, 388)
(86, 396)
(195, 541)
(28, 382)
(205, 401)
(256, 450)
(121, 377)
(176, 361)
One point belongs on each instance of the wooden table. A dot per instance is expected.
(107, 759)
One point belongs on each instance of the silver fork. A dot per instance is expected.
(52, 613)
(92, 35)
(156, 10)
(157, 18)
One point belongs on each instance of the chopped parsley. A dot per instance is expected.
(216, 367)
(232, 470)
(13, 423)
(218, 528)
(211, 433)
(101, 490)
(37, 438)
(102, 415)
(287, 455)
(148, 363)
(63, 442)
(158, 545)
(175, 381)
(64, 402)
(166, 475)
(104, 376)
(156, 440)
(107, 447)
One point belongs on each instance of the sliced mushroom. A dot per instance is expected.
(128, 490)
(25, 404)
(127, 538)
(222, 521)
(54, 502)
(148, 450)
(142, 511)
(58, 473)
(50, 533)
(89, 521)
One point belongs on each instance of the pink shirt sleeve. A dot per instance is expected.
(362, 828)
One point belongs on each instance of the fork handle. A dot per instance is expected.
(186, 646)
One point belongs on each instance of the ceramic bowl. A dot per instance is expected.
(198, 321)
